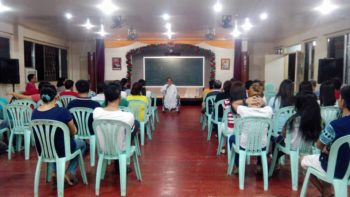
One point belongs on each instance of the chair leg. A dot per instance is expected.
(340, 188)
(60, 169)
(104, 167)
(37, 177)
(98, 174)
(305, 184)
(273, 162)
(294, 169)
(142, 131)
(204, 122)
(210, 128)
(26, 144)
(122, 173)
(48, 172)
(10, 148)
(265, 170)
(148, 129)
(157, 116)
(241, 169)
(82, 168)
(221, 143)
(231, 162)
(137, 167)
(137, 145)
(228, 149)
(92, 150)
(152, 121)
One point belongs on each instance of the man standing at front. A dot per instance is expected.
(169, 92)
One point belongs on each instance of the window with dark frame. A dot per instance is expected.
(309, 61)
(4, 48)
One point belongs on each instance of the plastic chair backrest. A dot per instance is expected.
(225, 118)
(101, 102)
(110, 133)
(44, 131)
(280, 118)
(254, 127)
(124, 109)
(329, 114)
(333, 156)
(154, 100)
(209, 103)
(40, 103)
(25, 102)
(269, 87)
(66, 99)
(81, 116)
(136, 106)
(19, 115)
(216, 109)
(3, 104)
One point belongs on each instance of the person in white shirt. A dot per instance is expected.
(112, 112)
(169, 92)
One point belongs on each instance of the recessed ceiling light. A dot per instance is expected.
(166, 16)
(236, 33)
(102, 32)
(88, 25)
(326, 7)
(168, 26)
(4, 8)
(247, 25)
(217, 6)
(107, 7)
(68, 15)
(314, 43)
(263, 16)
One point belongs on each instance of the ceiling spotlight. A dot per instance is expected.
(168, 26)
(247, 25)
(88, 25)
(107, 7)
(169, 34)
(165, 17)
(314, 43)
(236, 33)
(68, 16)
(326, 7)
(4, 8)
(102, 32)
(263, 16)
(217, 6)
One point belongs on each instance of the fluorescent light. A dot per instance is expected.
(168, 26)
(107, 7)
(236, 33)
(263, 16)
(326, 7)
(4, 8)
(247, 25)
(165, 17)
(217, 6)
(102, 32)
(88, 24)
(68, 15)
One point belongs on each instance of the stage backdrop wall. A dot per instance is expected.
(137, 71)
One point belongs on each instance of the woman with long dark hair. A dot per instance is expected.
(284, 97)
(327, 96)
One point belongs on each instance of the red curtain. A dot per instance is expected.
(100, 60)
(237, 69)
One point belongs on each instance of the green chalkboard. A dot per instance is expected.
(185, 71)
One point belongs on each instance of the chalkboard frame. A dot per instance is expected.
(179, 57)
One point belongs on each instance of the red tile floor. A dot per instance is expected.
(177, 162)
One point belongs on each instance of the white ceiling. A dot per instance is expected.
(190, 18)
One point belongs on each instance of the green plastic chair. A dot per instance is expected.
(340, 185)
(3, 118)
(150, 113)
(44, 131)
(154, 107)
(269, 87)
(269, 91)
(19, 125)
(81, 116)
(108, 133)
(278, 122)
(209, 103)
(255, 127)
(66, 99)
(214, 119)
(329, 114)
(25, 102)
(135, 107)
(40, 103)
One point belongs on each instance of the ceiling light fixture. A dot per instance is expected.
(168, 26)
(107, 7)
(102, 32)
(217, 6)
(326, 7)
(263, 16)
(88, 25)
(236, 33)
(247, 25)
(169, 34)
(68, 16)
(314, 43)
(4, 8)
(166, 17)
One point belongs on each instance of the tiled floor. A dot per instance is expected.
(177, 162)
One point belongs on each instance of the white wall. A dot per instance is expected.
(257, 52)
(274, 69)
(78, 59)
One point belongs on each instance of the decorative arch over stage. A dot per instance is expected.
(171, 50)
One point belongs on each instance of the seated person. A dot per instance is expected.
(215, 91)
(31, 88)
(144, 92)
(170, 100)
(333, 131)
(83, 100)
(136, 95)
(326, 94)
(225, 95)
(112, 112)
(68, 85)
(34, 97)
(125, 86)
(60, 84)
(206, 91)
(49, 111)
(337, 85)
(100, 96)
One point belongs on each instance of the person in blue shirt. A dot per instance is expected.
(50, 111)
(333, 131)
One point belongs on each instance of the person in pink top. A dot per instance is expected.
(31, 88)
(34, 97)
